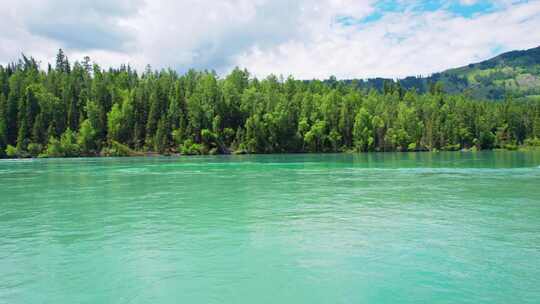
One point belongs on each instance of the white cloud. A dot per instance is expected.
(303, 38)
(467, 2)
(39, 28)
(400, 44)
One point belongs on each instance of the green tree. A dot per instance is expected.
(161, 141)
(3, 125)
(114, 123)
(62, 62)
(54, 148)
(316, 136)
(83, 109)
(363, 131)
(68, 144)
(86, 139)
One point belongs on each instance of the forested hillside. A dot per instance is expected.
(80, 109)
(515, 74)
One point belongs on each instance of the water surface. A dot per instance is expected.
(368, 228)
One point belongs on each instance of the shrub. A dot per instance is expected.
(68, 143)
(11, 151)
(450, 147)
(510, 147)
(208, 137)
(119, 150)
(65, 147)
(191, 148)
(35, 149)
(54, 148)
(86, 138)
(533, 142)
(411, 147)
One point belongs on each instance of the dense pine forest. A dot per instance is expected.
(80, 109)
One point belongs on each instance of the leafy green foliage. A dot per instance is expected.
(118, 150)
(80, 110)
(68, 144)
(191, 148)
(65, 147)
(11, 151)
(86, 138)
(35, 149)
(3, 124)
(54, 148)
(533, 142)
(363, 131)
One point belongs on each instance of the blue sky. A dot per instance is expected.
(465, 9)
(304, 38)
(459, 8)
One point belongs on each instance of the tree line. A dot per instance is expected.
(81, 109)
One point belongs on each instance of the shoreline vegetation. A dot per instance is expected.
(80, 109)
(151, 154)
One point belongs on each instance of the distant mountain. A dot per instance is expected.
(516, 73)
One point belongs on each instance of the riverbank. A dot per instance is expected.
(123, 151)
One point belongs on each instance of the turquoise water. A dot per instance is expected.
(369, 228)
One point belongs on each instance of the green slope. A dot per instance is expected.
(516, 73)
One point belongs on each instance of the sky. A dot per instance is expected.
(304, 38)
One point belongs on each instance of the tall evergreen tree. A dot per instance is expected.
(83, 109)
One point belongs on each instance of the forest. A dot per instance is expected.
(81, 109)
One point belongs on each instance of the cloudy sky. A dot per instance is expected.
(304, 38)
